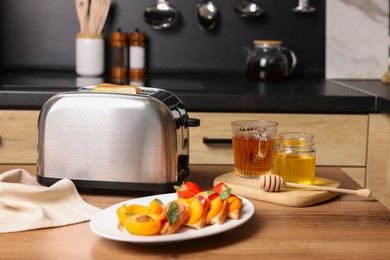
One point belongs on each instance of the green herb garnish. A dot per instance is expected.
(173, 212)
(225, 194)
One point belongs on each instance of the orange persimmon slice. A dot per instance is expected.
(156, 207)
(143, 224)
(216, 206)
(234, 202)
(196, 211)
(124, 211)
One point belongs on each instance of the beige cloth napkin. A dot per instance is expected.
(26, 205)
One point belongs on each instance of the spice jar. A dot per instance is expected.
(294, 158)
(137, 54)
(119, 55)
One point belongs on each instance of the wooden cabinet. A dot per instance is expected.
(340, 140)
(18, 136)
(359, 144)
(378, 157)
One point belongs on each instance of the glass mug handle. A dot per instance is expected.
(261, 135)
(293, 58)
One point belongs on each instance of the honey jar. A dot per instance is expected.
(295, 156)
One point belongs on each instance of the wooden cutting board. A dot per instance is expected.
(249, 188)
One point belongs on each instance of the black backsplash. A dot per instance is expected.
(40, 34)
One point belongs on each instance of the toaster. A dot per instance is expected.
(114, 141)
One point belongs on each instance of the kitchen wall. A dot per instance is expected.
(39, 34)
(357, 41)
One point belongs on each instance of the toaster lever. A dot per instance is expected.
(192, 122)
(187, 122)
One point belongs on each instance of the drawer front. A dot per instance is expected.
(18, 136)
(340, 140)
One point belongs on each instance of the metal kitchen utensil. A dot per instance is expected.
(161, 15)
(273, 183)
(304, 7)
(207, 14)
(248, 9)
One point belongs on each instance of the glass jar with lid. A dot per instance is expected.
(295, 156)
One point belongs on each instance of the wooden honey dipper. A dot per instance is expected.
(271, 182)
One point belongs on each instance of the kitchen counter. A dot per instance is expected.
(380, 90)
(215, 92)
(346, 227)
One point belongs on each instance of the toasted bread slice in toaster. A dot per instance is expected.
(112, 88)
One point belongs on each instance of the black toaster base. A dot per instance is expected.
(115, 187)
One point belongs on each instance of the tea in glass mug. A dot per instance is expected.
(253, 147)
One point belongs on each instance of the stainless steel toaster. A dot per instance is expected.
(113, 141)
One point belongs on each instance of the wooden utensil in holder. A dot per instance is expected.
(92, 17)
(82, 8)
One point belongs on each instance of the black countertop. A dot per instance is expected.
(215, 92)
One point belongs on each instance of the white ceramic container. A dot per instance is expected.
(89, 54)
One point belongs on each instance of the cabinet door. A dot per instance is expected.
(340, 140)
(18, 136)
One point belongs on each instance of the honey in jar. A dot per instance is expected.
(294, 158)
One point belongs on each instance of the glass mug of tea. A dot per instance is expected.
(253, 147)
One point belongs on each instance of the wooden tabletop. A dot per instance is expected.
(346, 227)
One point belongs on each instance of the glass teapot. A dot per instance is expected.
(269, 61)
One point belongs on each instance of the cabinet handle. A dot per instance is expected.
(207, 140)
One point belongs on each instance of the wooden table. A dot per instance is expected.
(346, 227)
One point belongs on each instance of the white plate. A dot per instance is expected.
(105, 223)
